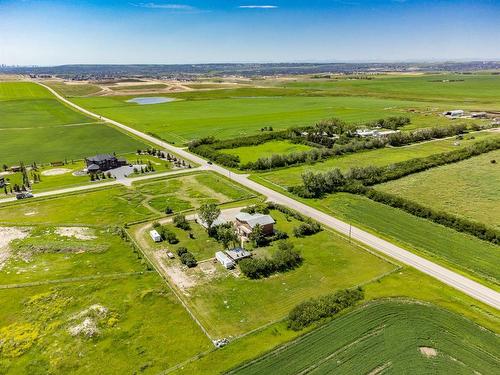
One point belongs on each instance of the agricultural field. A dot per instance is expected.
(241, 112)
(379, 157)
(252, 153)
(119, 205)
(36, 127)
(73, 89)
(389, 336)
(467, 189)
(229, 304)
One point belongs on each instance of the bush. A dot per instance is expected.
(167, 235)
(307, 229)
(181, 250)
(306, 313)
(283, 259)
(181, 222)
(189, 260)
(169, 210)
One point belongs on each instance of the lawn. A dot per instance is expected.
(468, 189)
(229, 305)
(242, 112)
(252, 153)
(387, 336)
(379, 157)
(36, 127)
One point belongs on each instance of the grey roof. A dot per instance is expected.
(101, 157)
(93, 167)
(238, 253)
(219, 221)
(254, 219)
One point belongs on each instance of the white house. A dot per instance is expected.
(224, 259)
(454, 113)
(155, 236)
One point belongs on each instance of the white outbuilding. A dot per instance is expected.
(224, 259)
(155, 236)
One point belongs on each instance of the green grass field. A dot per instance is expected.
(35, 126)
(241, 112)
(70, 90)
(467, 189)
(230, 306)
(380, 157)
(251, 153)
(387, 337)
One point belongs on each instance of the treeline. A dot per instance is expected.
(391, 122)
(401, 139)
(309, 312)
(317, 184)
(285, 258)
(451, 221)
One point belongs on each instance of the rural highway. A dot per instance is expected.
(453, 279)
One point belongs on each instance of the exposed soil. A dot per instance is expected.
(8, 234)
(180, 278)
(428, 352)
(55, 171)
(80, 233)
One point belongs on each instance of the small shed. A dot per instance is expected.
(224, 259)
(155, 236)
(238, 253)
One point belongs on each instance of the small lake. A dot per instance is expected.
(150, 100)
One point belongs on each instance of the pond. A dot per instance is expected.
(150, 100)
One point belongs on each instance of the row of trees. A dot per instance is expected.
(285, 258)
(401, 139)
(309, 312)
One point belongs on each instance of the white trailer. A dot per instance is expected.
(155, 236)
(224, 259)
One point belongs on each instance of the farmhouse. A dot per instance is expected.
(103, 162)
(224, 259)
(155, 236)
(246, 222)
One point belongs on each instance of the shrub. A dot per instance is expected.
(181, 222)
(306, 313)
(188, 259)
(307, 229)
(181, 250)
(167, 235)
(169, 210)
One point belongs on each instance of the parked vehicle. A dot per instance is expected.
(24, 195)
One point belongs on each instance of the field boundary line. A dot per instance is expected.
(72, 279)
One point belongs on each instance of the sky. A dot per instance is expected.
(56, 32)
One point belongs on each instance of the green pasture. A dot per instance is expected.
(229, 114)
(379, 157)
(158, 86)
(73, 89)
(252, 153)
(36, 127)
(230, 306)
(479, 91)
(469, 189)
(387, 336)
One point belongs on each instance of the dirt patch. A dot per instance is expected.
(88, 327)
(428, 351)
(30, 213)
(80, 233)
(6, 173)
(180, 278)
(55, 171)
(8, 234)
(208, 268)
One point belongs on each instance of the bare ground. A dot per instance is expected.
(8, 234)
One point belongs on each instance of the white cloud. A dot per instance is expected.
(257, 7)
(178, 7)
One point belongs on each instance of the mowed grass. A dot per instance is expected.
(36, 127)
(241, 112)
(380, 157)
(443, 245)
(73, 89)
(387, 336)
(469, 189)
(252, 153)
(145, 329)
(230, 306)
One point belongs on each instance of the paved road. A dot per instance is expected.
(455, 280)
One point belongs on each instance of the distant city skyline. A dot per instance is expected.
(55, 32)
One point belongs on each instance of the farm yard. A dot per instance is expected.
(386, 336)
(473, 194)
(36, 127)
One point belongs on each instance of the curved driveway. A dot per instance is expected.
(453, 279)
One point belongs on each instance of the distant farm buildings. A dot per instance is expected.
(374, 133)
(103, 162)
(454, 113)
(245, 223)
(229, 258)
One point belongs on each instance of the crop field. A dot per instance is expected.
(35, 126)
(379, 157)
(468, 90)
(390, 337)
(251, 153)
(119, 205)
(229, 114)
(229, 305)
(76, 89)
(468, 189)
(443, 245)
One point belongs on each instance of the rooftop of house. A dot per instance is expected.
(254, 219)
(101, 157)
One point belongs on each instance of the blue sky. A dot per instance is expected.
(51, 32)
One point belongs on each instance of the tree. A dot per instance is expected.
(226, 235)
(5, 167)
(209, 212)
(180, 221)
(257, 236)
